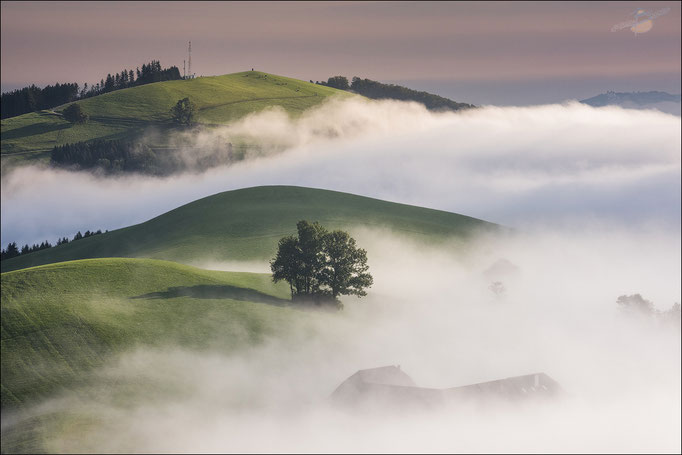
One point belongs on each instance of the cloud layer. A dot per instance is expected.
(517, 166)
(433, 314)
(596, 193)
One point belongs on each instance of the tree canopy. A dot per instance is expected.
(74, 114)
(377, 90)
(183, 111)
(32, 98)
(320, 265)
(339, 82)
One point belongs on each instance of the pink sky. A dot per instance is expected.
(492, 42)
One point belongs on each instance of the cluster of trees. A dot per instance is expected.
(637, 305)
(320, 265)
(108, 155)
(183, 112)
(32, 98)
(150, 72)
(13, 250)
(75, 114)
(117, 156)
(377, 90)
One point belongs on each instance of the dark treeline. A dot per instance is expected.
(108, 155)
(32, 98)
(115, 156)
(151, 72)
(29, 99)
(377, 90)
(14, 251)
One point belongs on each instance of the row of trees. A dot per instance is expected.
(32, 98)
(377, 90)
(117, 156)
(320, 265)
(636, 305)
(150, 72)
(13, 250)
(108, 155)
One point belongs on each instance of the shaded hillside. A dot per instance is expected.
(245, 225)
(380, 91)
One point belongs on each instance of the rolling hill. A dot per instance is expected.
(245, 225)
(124, 114)
(61, 320)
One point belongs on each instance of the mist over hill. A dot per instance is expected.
(170, 357)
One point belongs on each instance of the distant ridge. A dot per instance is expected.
(637, 100)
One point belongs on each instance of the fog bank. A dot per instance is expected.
(518, 166)
(433, 313)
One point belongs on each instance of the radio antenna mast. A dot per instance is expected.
(189, 63)
(184, 73)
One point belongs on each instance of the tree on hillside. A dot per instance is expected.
(320, 266)
(287, 264)
(345, 268)
(340, 82)
(183, 111)
(74, 114)
(635, 304)
(10, 252)
(311, 247)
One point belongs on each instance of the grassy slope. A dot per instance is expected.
(246, 225)
(125, 113)
(61, 320)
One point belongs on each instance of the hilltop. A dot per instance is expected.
(127, 113)
(245, 225)
(662, 101)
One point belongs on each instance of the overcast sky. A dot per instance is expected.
(488, 52)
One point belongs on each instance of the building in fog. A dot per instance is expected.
(390, 385)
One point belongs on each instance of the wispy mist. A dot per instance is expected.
(516, 166)
(433, 314)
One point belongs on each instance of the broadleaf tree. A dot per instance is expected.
(320, 266)
(345, 269)
(183, 112)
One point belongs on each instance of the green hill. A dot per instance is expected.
(61, 320)
(245, 225)
(123, 114)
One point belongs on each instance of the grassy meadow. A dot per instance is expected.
(127, 113)
(61, 320)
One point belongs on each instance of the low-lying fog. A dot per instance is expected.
(518, 166)
(596, 195)
(432, 313)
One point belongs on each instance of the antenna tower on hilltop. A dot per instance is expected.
(189, 61)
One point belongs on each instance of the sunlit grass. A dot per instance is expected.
(126, 113)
